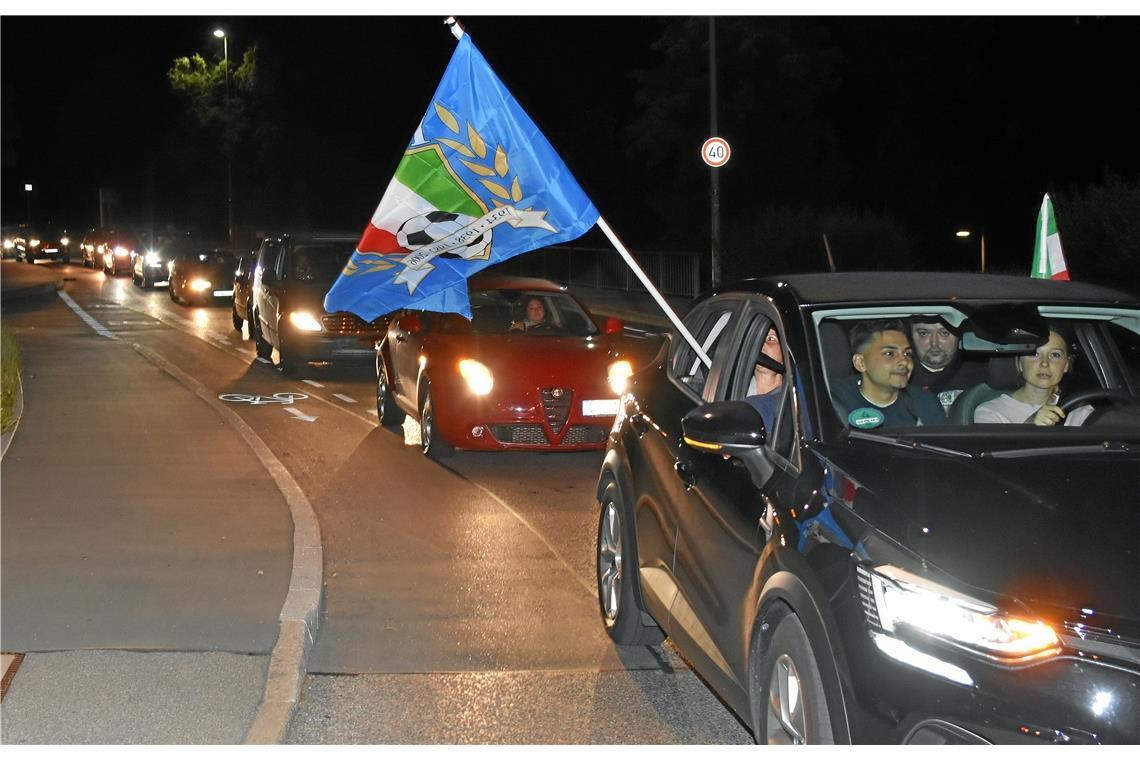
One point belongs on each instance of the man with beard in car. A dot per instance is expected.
(878, 396)
(939, 367)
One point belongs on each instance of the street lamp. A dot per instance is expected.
(220, 34)
(963, 234)
(28, 198)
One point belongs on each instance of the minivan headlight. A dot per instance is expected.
(303, 320)
(904, 600)
(478, 378)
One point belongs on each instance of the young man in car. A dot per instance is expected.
(878, 396)
(938, 366)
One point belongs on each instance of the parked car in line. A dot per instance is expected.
(292, 275)
(53, 243)
(202, 277)
(835, 579)
(496, 383)
(243, 289)
(120, 248)
(152, 265)
(91, 248)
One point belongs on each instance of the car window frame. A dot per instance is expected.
(695, 321)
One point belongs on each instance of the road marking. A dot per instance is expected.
(263, 360)
(284, 397)
(344, 398)
(313, 383)
(90, 320)
(374, 413)
(298, 414)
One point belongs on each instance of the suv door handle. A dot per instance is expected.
(684, 470)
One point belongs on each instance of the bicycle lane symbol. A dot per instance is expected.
(284, 397)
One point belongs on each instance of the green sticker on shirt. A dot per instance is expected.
(864, 418)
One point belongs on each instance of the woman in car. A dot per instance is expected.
(1036, 401)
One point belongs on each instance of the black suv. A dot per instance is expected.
(291, 277)
(838, 579)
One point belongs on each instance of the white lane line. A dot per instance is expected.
(313, 383)
(90, 320)
(374, 413)
(263, 360)
(344, 398)
(298, 414)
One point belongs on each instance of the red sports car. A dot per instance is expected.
(531, 370)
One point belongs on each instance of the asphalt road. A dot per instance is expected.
(459, 602)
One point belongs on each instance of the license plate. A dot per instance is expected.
(223, 292)
(605, 407)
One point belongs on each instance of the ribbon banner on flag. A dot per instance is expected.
(477, 184)
(1048, 258)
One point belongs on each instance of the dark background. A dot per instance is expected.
(887, 133)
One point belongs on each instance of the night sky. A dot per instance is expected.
(937, 123)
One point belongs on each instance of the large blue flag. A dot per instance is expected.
(477, 184)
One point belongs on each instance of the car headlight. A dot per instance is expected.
(99, 248)
(9, 245)
(34, 242)
(121, 251)
(618, 376)
(153, 259)
(64, 240)
(199, 284)
(904, 600)
(303, 320)
(479, 379)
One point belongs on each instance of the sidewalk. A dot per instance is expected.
(146, 604)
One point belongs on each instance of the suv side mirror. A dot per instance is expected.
(613, 325)
(734, 428)
(410, 323)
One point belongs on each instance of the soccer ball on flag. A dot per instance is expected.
(434, 226)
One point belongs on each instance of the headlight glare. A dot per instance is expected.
(199, 284)
(618, 376)
(303, 320)
(153, 259)
(64, 240)
(478, 378)
(906, 600)
(34, 242)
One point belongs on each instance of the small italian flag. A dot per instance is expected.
(422, 184)
(1048, 259)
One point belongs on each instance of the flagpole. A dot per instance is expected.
(653, 291)
(454, 26)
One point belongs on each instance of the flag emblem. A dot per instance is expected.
(1048, 258)
(478, 183)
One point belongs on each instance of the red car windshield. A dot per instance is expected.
(495, 311)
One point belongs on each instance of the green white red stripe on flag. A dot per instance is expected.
(1048, 257)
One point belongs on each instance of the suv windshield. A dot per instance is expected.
(1017, 367)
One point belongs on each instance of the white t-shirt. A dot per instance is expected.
(1005, 408)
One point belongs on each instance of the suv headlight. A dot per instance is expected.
(478, 378)
(903, 600)
(153, 259)
(303, 320)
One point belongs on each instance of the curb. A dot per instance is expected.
(31, 291)
(299, 618)
(17, 413)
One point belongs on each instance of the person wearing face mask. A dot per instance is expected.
(767, 382)
(1036, 401)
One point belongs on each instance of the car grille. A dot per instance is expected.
(579, 434)
(344, 323)
(556, 403)
(867, 595)
(530, 434)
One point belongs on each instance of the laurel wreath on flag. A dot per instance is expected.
(476, 147)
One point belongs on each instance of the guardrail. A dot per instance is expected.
(674, 273)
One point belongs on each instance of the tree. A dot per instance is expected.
(1100, 230)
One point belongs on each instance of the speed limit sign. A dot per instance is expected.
(715, 152)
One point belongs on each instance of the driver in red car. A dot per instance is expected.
(535, 316)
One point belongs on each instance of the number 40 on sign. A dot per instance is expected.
(716, 152)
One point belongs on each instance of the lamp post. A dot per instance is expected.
(963, 234)
(28, 205)
(219, 33)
